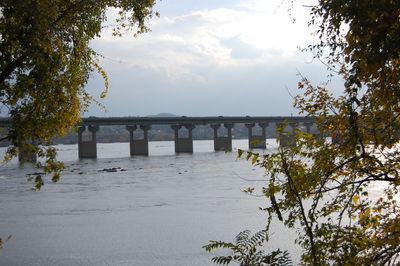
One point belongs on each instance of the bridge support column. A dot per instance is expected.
(287, 140)
(25, 154)
(183, 144)
(293, 125)
(308, 126)
(87, 149)
(222, 143)
(257, 142)
(139, 146)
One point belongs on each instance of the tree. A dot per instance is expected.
(323, 187)
(46, 61)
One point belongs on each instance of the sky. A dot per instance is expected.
(209, 58)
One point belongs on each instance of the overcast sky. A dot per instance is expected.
(209, 58)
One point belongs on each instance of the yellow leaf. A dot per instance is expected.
(355, 199)
(254, 160)
(249, 154)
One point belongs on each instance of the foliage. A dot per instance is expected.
(341, 195)
(324, 188)
(245, 251)
(45, 62)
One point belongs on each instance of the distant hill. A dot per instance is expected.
(163, 115)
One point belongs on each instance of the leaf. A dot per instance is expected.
(47, 60)
(222, 260)
(255, 157)
(355, 199)
(249, 190)
(249, 154)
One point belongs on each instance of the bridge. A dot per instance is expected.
(88, 148)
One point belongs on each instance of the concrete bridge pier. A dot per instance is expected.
(139, 146)
(308, 126)
(26, 155)
(222, 143)
(87, 149)
(293, 125)
(287, 140)
(257, 142)
(183, 144)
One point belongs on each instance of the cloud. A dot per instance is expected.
(209, 60)
(241, 50)
(221, 36)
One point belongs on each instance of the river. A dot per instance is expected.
(155, 210)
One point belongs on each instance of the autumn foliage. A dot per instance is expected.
(45, 64)
(339, 189)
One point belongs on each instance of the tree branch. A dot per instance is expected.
(4, 138)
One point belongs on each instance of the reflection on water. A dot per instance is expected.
(156, 210)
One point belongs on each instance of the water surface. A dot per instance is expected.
(155, 210)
